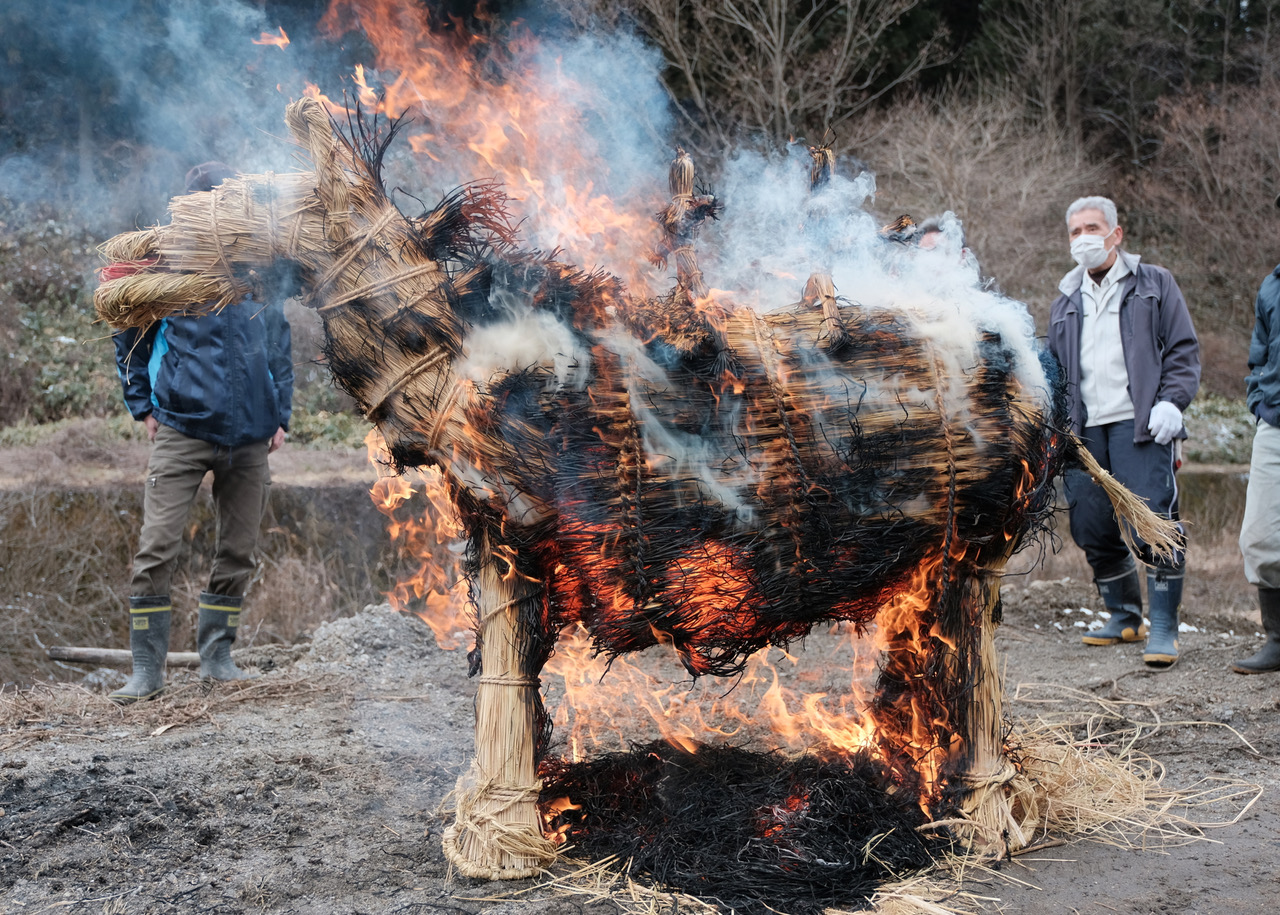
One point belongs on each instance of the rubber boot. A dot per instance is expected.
(1122, 596)
(215, 631)
(1164, 595)
(149, 642)
(1267, 658)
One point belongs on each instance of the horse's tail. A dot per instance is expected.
(1162, 536)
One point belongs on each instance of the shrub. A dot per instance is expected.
(56, 362)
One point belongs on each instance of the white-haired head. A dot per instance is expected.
(1105, 205)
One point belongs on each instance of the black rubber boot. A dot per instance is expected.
(216, 630)
(1267, 658)
(149, 642)
(1122, 596)
(1164, 596)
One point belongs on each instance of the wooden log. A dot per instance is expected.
(497, 833)
(116, 657)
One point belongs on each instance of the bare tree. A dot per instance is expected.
(775, 68)
(1037, 42)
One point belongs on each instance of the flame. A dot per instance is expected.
(775, 819)
(281, 41)
(527, 128)
(432, 539)
(552, 811)
(778, 702)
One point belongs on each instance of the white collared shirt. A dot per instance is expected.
(1104, 378)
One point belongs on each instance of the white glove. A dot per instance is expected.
(1165, 423)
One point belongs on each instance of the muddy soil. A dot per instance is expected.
(313, 789)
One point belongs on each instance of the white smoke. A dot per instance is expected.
(598, 128)
(528, 338)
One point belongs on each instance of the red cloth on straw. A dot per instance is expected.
(125, 268)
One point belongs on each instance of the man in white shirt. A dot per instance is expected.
(1123, 334)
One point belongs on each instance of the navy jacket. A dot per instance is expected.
(1161, 351)
(225, 378)
(1262, 384)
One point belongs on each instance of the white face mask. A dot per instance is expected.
(1090, 251)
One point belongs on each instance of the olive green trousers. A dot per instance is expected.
(241, 484)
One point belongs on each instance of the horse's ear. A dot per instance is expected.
(311, 127)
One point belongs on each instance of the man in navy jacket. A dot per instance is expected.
(214, 391)
(1260, 530)
(1123, 334)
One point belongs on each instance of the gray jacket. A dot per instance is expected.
(1263, 381)
(1161, 352)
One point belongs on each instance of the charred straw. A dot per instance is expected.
(757, 833)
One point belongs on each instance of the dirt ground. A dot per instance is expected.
(313, 789)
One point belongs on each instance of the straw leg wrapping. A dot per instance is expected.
(497, 833)
(985, 771)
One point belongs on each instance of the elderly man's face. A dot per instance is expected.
(1088, 222)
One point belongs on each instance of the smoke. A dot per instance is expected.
(525, 339)
(775, 231)
(576, 125)
(107, 104)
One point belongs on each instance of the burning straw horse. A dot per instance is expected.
(676, 470)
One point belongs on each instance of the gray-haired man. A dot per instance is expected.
(1122, 331)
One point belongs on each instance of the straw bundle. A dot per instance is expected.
(214, 242)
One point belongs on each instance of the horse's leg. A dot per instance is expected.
(497, 833)
(982, 769)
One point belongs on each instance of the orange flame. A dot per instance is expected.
(433, 540)
(281, 41)
(527, 129)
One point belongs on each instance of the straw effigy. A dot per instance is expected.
(693, 473)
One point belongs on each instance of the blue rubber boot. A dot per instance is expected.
(1164, 596)
(1122, 596)
(149, 643)
(215, 633)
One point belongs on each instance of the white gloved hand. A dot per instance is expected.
(1165, 423)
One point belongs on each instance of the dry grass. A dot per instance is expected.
(65, 567)
(65, 560)
(55, 711)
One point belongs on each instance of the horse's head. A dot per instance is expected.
(394, 293)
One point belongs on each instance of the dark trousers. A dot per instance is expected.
(1147, 470)
(241, 482)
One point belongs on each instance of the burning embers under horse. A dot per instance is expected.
(677, 470)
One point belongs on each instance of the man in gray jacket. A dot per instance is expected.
(1123, 334)
(1260, 531)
